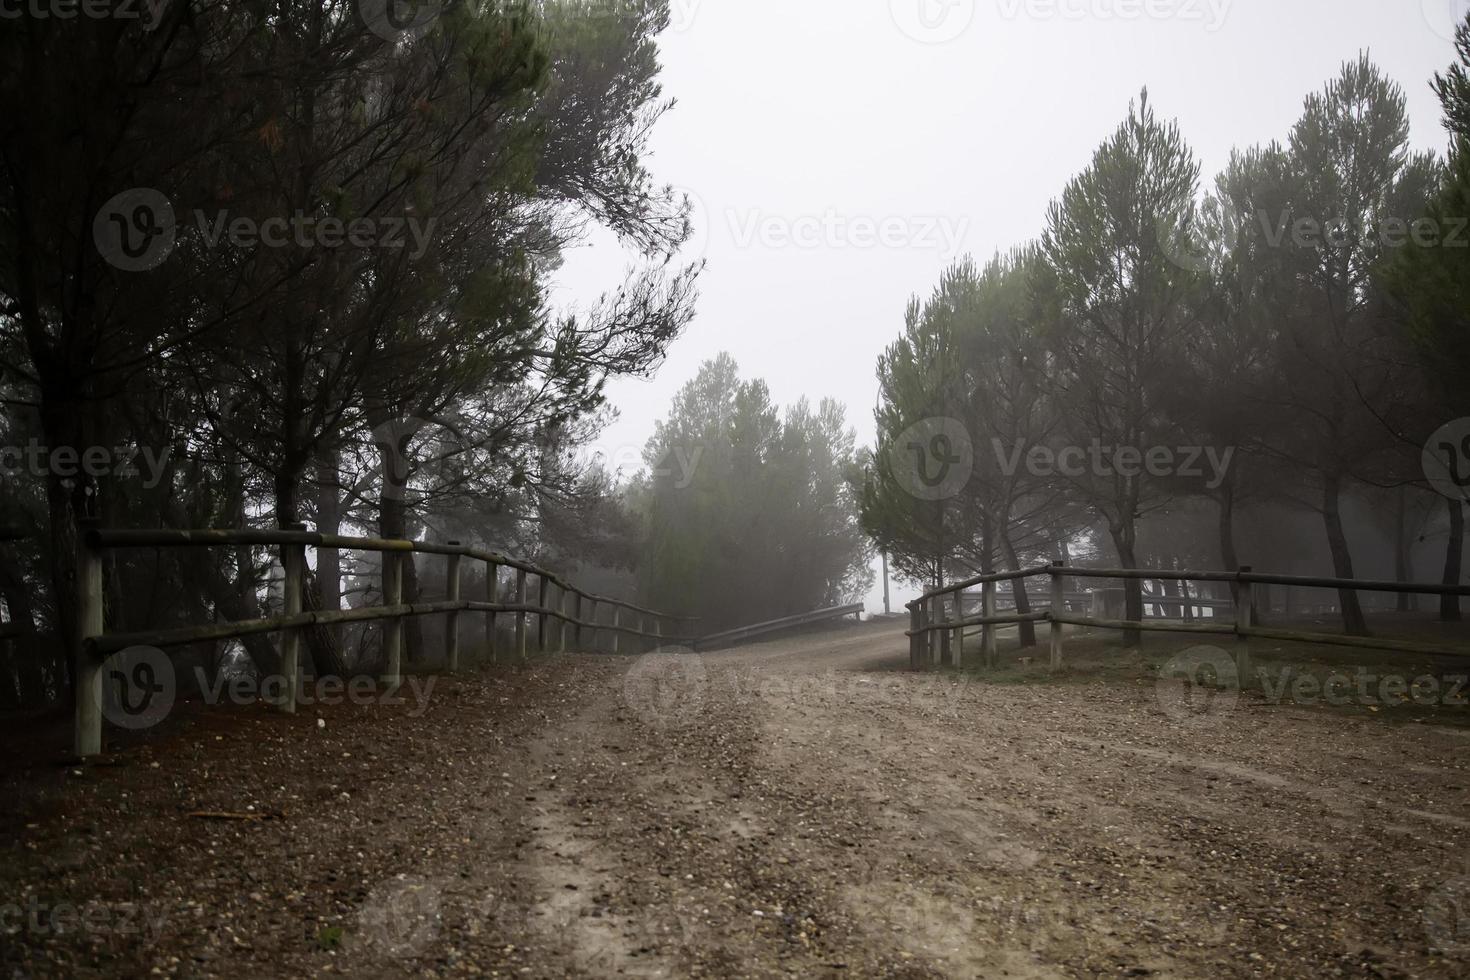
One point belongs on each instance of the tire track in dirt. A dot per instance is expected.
(803, 807)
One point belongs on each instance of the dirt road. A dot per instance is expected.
(797, 808)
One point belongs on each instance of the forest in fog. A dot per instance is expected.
(1181, 373)
(253, 276)
(305, 266)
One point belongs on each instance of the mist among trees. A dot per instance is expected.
(1297, 323)
(749, 510)
(305, 259)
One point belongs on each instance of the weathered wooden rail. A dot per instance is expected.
(731, 637)
(565, 616)
(936, 637)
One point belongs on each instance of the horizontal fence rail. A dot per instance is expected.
(937, 620)
(730, 637)
(566, 618)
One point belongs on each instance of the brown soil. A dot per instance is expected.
(797, 808)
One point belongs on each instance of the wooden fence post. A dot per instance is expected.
(451, 621)
(987, 601)
(658, 633)
(87, 735)
(563, 624)
(578, 631)
(946, 635)
(293, 564)
(1244, 603)
(592, 618)
(543, 596)
(928, 635)
(521, 614)
(916, 638)
(936, 618)
(492, 594)
(1058, 608)
(393, 628)
(617, 636)
(959, 633)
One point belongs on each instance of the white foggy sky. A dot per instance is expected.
(791, 111)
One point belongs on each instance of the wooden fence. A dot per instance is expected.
(732, 637)
(567, 617)
(936, 637)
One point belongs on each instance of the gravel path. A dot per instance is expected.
(796, 808)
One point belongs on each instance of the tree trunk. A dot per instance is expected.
(393, 525)
(1124, 535)
(26, 673)
(64, 540)
(1171, 590)
(287, 486)
(233, 601)
(66, 420)
(1402, 564)
(1449, 606)
(322, 640)
(17, 597)
(1064, 555)
(1228, 554)
(323, 590)
(236, 602)
(1018, 587)
(1353, 620)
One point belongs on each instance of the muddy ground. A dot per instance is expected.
(799, 808)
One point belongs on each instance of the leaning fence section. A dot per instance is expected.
(732, 637)
(564, 617)
(939, 618)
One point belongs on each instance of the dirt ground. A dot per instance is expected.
(801, 808)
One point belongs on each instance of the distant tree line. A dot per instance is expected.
(1304, 318)
(749, 513)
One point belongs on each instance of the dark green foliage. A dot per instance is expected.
(750, 515)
